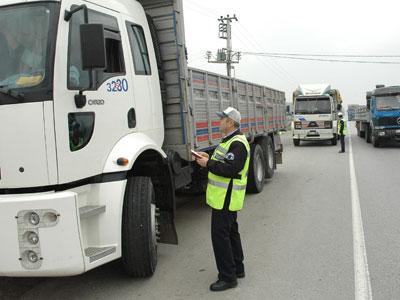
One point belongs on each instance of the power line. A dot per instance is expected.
(328, 55)
(249, 36)
(322, 59)
(274, 67)
(199, 9)
(267, 63)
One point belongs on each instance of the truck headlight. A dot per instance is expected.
(32, 257)
(32, 238)
(34, 219)
(382, 133)
(328, 124)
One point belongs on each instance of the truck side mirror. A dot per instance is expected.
(369, 104)
(93, 47)
(339, 107)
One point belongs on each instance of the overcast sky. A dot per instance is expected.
(306, 26)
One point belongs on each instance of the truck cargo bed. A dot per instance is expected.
(191, 96)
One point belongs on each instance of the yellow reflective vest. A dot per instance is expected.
(339, 127)
(218, 186)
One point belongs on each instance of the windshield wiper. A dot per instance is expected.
(11, 92)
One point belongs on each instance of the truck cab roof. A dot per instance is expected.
(386, 91)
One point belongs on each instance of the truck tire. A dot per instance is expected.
(296, 142)
(268, 148)
(368, 134)
(139, 240)
(255, 182)
(375, 141)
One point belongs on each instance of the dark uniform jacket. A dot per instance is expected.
(234, 162)
(341, 126)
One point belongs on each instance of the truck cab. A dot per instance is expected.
(384, 110)
(315, 114)
(81, 163)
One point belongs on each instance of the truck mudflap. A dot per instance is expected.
(40, 235)
(278, 149)
(166, 227)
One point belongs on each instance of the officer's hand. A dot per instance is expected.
(202, 162)
(204, 154)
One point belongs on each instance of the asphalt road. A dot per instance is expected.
(297, 236)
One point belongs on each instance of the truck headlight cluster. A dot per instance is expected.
(297, 125)
(29, 223)
(382, 133)
(34, 218)
(328, 124)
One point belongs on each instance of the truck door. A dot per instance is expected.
(86, 135)
(145, 77)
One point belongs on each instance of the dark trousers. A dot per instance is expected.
(342, 144)
(227, 244)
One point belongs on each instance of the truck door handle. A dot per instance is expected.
(132, 118)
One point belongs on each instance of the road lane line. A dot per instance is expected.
(362, 282)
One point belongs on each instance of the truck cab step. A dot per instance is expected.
(91, 210)
(96, 253)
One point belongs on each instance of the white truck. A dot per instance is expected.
(98, 114)
(315, 113)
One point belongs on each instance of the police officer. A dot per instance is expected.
(226, 189)
(342, 130)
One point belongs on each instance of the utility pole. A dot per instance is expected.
(226, 55)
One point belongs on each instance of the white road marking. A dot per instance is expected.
(362, 280)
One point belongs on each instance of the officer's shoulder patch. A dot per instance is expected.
(230, 156)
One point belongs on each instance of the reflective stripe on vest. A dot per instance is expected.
(218, 186)
(225, 186)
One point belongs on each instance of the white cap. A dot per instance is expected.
(340, 115)
(231, 113)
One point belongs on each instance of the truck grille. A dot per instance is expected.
(313, 124)
(388, 121)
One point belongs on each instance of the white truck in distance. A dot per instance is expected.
(315, 113)
(99, 113)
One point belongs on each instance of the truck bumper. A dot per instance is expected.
(58, 248)
(313, 134)
(388, 134)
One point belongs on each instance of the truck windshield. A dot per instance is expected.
(313, 106)
(388, 102)
(26, 50)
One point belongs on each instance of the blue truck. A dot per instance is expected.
(379, 120)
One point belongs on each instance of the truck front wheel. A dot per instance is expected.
(375, 141)
(139, 239)
(368, 134)
(296, 142)
(256, 177)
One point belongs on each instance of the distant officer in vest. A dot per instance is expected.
(342, 130)
(226, 189)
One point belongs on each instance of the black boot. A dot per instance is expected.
(241, 275)
(221, 285)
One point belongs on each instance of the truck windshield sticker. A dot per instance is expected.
(118, 85)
